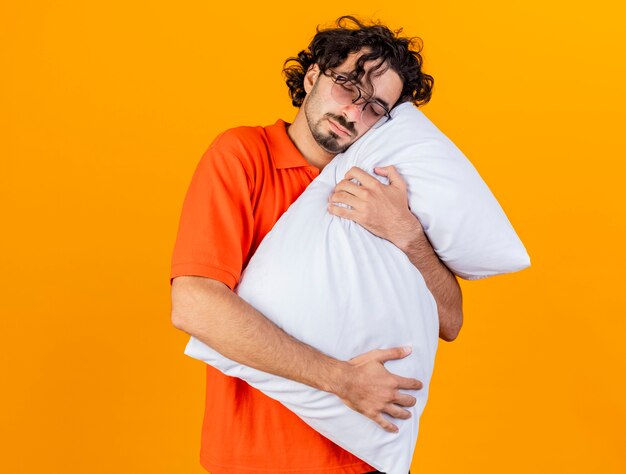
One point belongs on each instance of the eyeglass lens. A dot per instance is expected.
(347, 93)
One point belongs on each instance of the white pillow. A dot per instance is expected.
(332, 284)
(463, 220)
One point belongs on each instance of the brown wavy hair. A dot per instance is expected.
(330, 47)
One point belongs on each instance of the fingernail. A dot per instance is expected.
(407, 349)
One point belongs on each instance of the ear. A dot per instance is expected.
(310, 77)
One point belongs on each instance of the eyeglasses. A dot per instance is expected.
(344, 92)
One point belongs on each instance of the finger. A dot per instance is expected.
(352, 188)
(386, 425)
(374, 354)
(339, 211)
(392, 174)
(397, 412)
(383, 170)
(344, 197)
(407, 383)
(405, 400)
(394, 353)
(363, 177)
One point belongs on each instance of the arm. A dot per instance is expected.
(214, 237)
(439, 279)
(208, 310)
(384, 211)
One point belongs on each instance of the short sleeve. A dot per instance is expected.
(216, 222)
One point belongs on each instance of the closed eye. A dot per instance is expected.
(377, 109)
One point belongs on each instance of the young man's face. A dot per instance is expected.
(336, 126)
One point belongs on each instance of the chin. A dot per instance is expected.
(329, 141)
(334, 146)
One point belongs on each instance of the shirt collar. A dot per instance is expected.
(288, 155)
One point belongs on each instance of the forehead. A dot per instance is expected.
(385, 86)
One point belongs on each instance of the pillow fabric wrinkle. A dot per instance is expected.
(332, 284)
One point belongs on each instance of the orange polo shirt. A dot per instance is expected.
(242, 185)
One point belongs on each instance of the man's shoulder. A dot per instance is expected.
(243, 139)
(243, 146)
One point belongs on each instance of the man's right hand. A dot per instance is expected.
(208, 310)
(370, 389)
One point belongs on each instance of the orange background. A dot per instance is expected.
(105, 109)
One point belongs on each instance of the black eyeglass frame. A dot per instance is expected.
(342, 79)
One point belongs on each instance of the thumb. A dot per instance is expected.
(389, 172)
(394, 353)
(383, 170)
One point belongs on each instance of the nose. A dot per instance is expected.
(352, 112)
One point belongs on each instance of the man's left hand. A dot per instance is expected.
(381, 209)
(384, 211)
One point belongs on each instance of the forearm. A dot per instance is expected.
(441, 282)
(211, 312)
(383, 210)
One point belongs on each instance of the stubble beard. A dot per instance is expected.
(328, 141)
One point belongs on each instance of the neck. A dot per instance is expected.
(301, 136)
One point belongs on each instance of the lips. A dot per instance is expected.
(338, 128)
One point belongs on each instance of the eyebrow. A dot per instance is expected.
(383, 102)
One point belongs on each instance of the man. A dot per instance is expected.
(346, 83)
